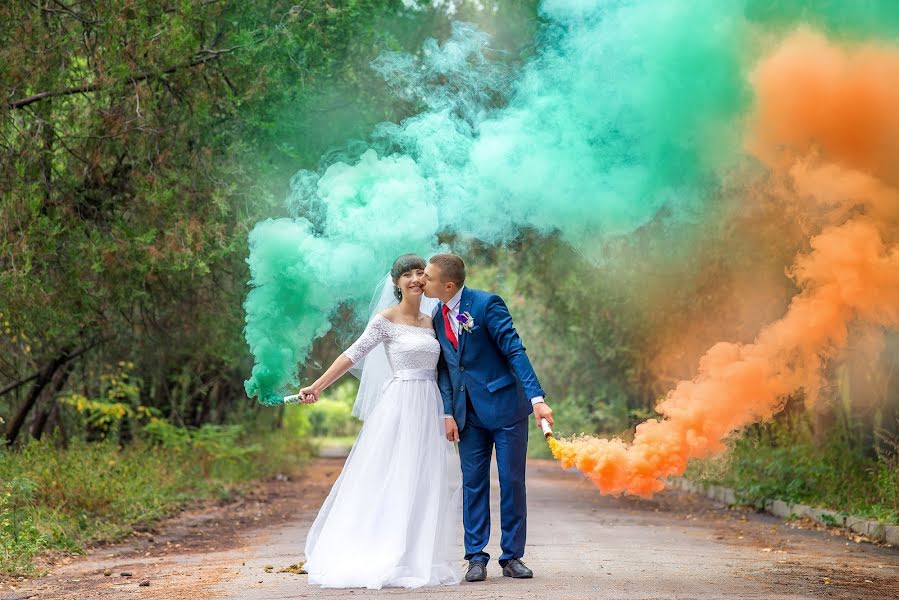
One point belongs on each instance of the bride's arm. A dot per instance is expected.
(374, 334)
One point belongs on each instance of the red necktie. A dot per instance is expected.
(450, 334)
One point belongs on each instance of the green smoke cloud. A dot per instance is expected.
(629, 110)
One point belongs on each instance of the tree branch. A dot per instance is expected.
(203, 57)
(21, 382)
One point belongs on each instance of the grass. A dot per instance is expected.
(66, 498)
(781, 461)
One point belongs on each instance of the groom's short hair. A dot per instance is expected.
(451, 266)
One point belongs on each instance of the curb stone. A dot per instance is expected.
(881, 532)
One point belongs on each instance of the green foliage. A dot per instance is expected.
(216, 450)
(117, 405)
(332, 416)
(163, 133)
(65, 498)
(781, 460)
(20, 540)
(296, 421)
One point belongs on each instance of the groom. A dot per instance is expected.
(489, 389)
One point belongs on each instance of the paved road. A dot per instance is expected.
(580, 545)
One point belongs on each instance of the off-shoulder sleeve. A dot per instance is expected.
(376, 332)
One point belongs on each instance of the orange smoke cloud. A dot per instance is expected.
(826, 124)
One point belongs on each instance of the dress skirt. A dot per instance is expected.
(391, 518)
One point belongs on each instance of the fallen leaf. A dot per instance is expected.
(296, 569)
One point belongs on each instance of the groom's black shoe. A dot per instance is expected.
(477, 571)
(515, 568)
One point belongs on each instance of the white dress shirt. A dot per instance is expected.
(453, 304)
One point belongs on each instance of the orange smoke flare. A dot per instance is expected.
(827, 123)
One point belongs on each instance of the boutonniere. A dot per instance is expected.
(466, 321)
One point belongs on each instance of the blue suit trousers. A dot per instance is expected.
(476, 445)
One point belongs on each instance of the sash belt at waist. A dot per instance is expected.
(413, 374)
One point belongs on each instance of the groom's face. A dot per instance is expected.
(434, 286)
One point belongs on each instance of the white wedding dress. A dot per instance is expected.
(390, 520)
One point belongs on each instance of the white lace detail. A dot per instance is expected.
(407, 346)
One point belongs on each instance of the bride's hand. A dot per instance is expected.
(309, 395)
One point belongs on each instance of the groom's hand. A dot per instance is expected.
(452, 431)
(543, 411)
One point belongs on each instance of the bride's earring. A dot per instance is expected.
(398, 292)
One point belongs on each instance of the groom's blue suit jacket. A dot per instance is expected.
(490, 366)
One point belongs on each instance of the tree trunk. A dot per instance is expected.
(15, 426)
(279, 419)
(53, 421)
(56, 384)
(214, 400)
(44, 379)
(40, 421)
(824, 412)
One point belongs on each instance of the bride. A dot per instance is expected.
(391, 517)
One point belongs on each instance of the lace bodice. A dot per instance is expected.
(408, 346)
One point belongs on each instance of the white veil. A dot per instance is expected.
(374, 370)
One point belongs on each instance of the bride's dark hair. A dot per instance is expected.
(404, 264)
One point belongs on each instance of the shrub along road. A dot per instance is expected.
(581, 545)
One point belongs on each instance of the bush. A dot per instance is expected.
(213, 449)
(780, 460)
